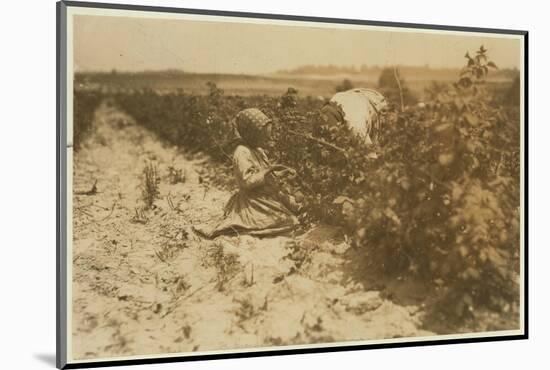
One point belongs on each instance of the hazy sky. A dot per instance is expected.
(133, 44)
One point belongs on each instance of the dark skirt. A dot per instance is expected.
(260, 213)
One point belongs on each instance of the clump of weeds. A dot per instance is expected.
(150, 185)
(227, 265)
(176, 175)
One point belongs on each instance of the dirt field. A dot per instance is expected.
(144, 283)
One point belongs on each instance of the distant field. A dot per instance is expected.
(196, 83)
(245, 85)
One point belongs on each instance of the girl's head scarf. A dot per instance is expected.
(249, 123)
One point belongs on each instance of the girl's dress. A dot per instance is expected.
(259, 207)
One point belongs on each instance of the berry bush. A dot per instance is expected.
(439, 201)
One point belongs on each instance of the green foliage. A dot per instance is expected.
(290, 98)
(345, 85)
(448, 208)
(84, 105)
(439, 202)
(476, 69)
(513, 94)
(389, 86)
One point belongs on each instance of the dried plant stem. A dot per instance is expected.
(92, 191)
(104, 218)
(396, 75)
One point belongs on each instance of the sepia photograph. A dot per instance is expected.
(241, 184)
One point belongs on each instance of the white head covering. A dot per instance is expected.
(361, 108)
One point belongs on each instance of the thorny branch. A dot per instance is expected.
(320, 141)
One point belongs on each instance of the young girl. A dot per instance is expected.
(259, 207)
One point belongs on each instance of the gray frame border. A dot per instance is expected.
(61, 190)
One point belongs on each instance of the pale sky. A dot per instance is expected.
(102, 43)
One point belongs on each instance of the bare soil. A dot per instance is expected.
(144, 283)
